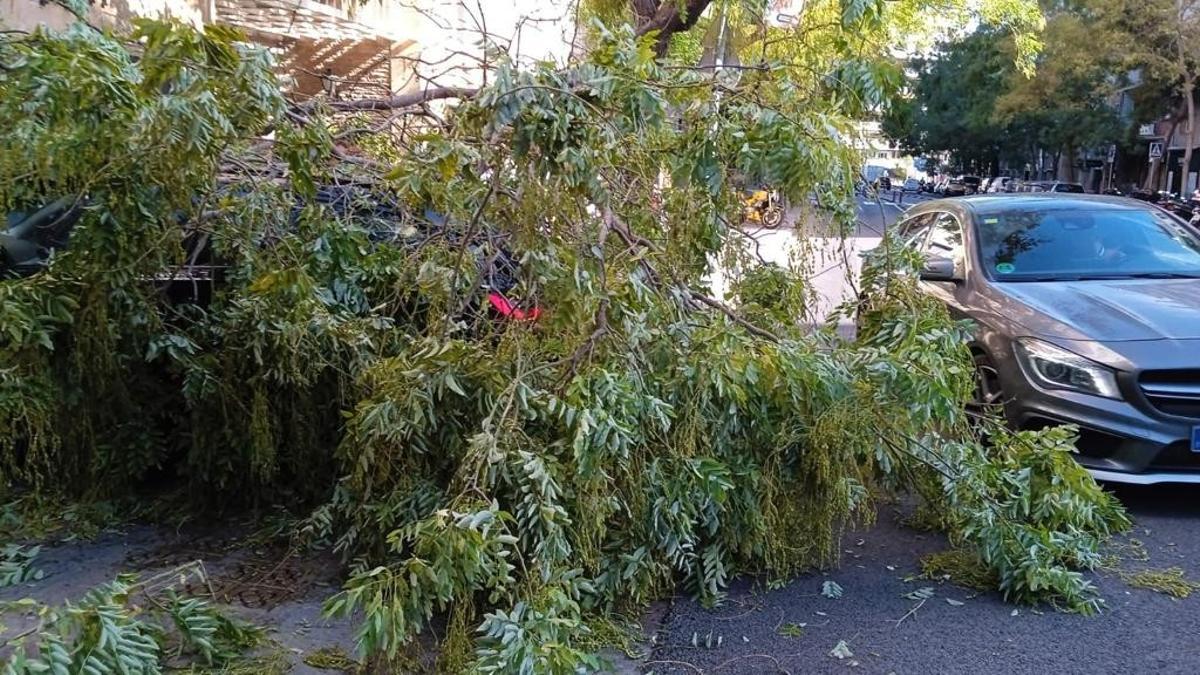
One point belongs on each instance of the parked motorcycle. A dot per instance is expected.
(1182, 208)
(764, 207)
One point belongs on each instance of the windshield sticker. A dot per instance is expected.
(1006, 268)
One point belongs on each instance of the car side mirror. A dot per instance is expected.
(939, 269)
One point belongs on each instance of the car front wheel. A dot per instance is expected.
(988, 394)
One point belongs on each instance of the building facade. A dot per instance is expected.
(344, 49)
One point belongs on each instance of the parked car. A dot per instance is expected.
(31, 237)
(955, 187)
(912, 185)
(1001, 184)
(971, 183)
(1085, 312)
(1170, 202)
(1051, 186)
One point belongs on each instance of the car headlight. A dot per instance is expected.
(1056, 368)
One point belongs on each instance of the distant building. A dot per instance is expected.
(878, 152)
(345, 49)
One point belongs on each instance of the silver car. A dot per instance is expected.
(1086, 312)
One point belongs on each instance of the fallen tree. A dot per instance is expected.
(525, 478)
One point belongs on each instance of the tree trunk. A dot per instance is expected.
(1065, 171)
(1189, 90)
(671, 17)
(1152, 178)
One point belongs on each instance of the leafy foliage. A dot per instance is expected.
(953, 107)
(210, 634)
(1019, 500)
(107, 632)
(521, 477)
(1170, 581)
(16, 565)
(971, 99)
(959, 566)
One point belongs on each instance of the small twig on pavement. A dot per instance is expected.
(910, 612)
(774, 660)
(669, 662)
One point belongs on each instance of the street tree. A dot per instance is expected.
(970, 98)
(1066, 103)
(1162, 39)
(951, 106)
(525, 463)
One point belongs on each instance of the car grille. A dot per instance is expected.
(1173, 392)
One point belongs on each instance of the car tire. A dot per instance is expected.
(988, 394)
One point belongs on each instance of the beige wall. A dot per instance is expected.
(27, 14)
(369, 48)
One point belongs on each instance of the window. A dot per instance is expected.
(945, 239)
(912, 231)
(1075, 244)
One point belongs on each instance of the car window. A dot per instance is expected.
(1058, 244)
(912, 231)
(945, 238)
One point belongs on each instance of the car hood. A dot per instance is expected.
(1108, 311)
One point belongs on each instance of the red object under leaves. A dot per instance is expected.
(507, 309)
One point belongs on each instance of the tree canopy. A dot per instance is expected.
(952, 106)
(969, 99)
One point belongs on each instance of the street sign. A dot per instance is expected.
(1146, 130)
(1156, 150)
(1112, 153)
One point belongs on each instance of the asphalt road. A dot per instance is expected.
(1141, 631)
(794, 629)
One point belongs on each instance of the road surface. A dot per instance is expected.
(795, 628)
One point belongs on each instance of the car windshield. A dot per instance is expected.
(1060, 244)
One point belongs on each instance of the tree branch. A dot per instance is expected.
(410, 100)
(634, 241)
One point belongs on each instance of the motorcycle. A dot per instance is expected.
(1181, 208)
(764, 207)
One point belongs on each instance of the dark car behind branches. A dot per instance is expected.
(33, 236)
